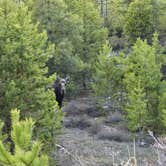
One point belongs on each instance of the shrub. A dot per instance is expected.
(115, 135)
(114, 118)
(74, 108)
(117, 43)
(95, 128)
(78, 122)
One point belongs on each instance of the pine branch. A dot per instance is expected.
(5, 154)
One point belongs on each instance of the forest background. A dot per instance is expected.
(113, 49)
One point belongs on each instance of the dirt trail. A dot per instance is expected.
(89, 141)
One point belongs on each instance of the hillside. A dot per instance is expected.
(89, 139)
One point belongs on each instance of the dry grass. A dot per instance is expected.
(95, 128)
(80, 122)
(131, 161)
(160, 148)
(114, 118)
(108, 143)
(73, 156)
(116, 135)
(76, 159)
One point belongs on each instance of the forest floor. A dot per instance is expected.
(91, 139)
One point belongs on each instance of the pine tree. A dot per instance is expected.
(63, 29)
(26, 152)
(23, 55)
(133, 84)
(94, 35)
(136, 107)
(116, 20)
(145, 91)
(162, 23)
(76, 29)
(141, 20)
(108, 77)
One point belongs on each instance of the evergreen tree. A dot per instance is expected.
(108, 78)
(141, 20)
(136, 107)
(116, 19)
(144, 87)
(76, 29)
(26, 152)
(162, 23)
(23, 54)
(94, 35)
(133, 84)
(63, 29)
(114, 12)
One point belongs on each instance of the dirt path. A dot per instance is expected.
(89, 141)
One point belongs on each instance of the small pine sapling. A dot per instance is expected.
(26, 152)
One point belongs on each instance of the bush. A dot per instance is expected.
(78, 122)
(76, 108)
(79, 108)
(114, 118)
(117, 43)
(115, 135)
(72, 89)
(95, 128)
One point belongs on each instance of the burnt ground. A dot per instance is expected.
(91, 139)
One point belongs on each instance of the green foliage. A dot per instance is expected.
(73, 89)
(144, 87)
(141, 20)
(133, 83)
(23, 54)
(130, 19)
(26, 152)
(116, 19)
(136, 106)
(108, 77)
(93, 34)
(75, 28)
(162, 23)
(63, 29)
